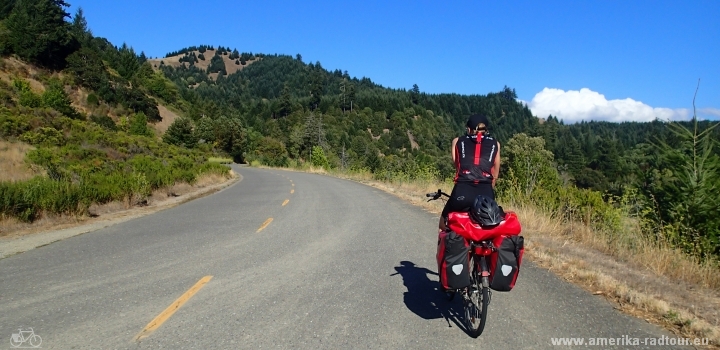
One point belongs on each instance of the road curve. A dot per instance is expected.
(280, 260)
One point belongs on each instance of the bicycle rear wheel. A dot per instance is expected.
(476, 299)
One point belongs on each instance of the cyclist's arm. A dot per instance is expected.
(496, 167)
(454, 150)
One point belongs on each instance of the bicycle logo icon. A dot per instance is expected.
(18, 340)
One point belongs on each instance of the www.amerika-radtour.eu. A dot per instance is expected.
(629, 341)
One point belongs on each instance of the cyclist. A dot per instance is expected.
(476, 156)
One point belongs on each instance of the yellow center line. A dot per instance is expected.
(165, 315)
(264, 224)
(292, 191)
(293, 185)
(285, 202)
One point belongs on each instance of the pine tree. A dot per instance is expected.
(415, 94)
(88, 68)
(6, 7)
(285, 101)
(127, 62)
(79, 27)
(180, 133)
(316, 87)
(39, 33)
(684, 186)
(205, 130)
(351, 95)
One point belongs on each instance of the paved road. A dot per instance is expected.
(341, 265)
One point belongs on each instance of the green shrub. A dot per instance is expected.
(44, 136)
(30, 99)
(104, 121)
(12, 125)
(56, 98)
(138, 125)
(318, 158)
(93, 100)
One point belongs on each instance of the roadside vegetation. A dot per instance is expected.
(76, 124)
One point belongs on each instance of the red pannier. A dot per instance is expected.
(461, 223)
(452, 259)
(505, 262)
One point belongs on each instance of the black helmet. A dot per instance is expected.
(486, 212)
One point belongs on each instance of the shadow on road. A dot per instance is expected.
(424, 297)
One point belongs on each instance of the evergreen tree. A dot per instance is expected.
(285, 102)
(88, 68)
(683, 189)
(127, 63)
(39, 33)
(180, 133)
(318, 158)
(415, 94)
(6, 7)
(607, 159)
(573, 157)
(316, 88)
(205, 130)
(79, 27)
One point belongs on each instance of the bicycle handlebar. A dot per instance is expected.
(436, 195)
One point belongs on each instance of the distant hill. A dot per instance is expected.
(230, 64)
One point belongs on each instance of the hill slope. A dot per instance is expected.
(202, 60)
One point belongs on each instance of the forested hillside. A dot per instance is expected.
(355, 122)
(292, 112)
(77, 108)
(278, 110)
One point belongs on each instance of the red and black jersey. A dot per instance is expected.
(475, 158)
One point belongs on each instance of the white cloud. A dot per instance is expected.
(708, 111)
(572, 106)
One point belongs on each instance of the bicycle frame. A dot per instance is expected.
(480, 252)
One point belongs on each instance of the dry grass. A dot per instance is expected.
(686, 312)
(211, 179)
(12, 161)
(230, 66)
(168, 117)
(413, 143)
(12, 67)
(651, 281)
(634, 248)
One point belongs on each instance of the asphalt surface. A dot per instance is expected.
(341, 265)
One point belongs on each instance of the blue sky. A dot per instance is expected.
(601, 60)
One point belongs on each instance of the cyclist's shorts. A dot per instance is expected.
(463, 196)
